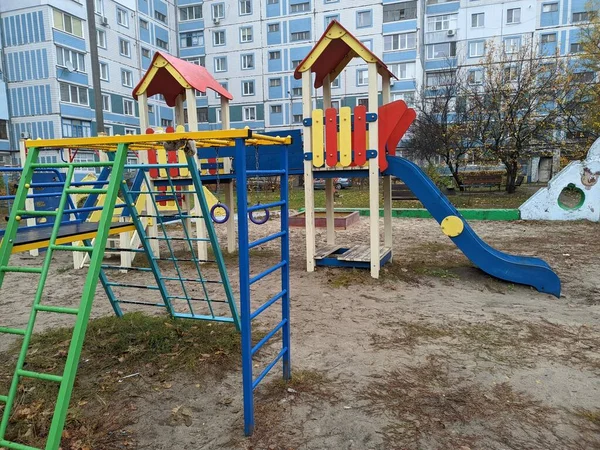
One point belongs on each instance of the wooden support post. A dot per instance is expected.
(374, 173)
(329, 185)
(201, 231)
(387, 180)
(29, 202)
(227, 167)
(180, 120)
(309, 193)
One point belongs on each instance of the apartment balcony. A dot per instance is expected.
(434, 37)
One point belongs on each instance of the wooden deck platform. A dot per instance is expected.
(356, 256)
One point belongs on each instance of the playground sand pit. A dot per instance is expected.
(436, 354)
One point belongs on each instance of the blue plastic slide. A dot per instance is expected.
(516, 269)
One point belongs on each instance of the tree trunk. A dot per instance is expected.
(512, 167)
(456, 176)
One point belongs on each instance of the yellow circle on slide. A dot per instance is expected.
(452, 226)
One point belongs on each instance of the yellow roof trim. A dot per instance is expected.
(358, 49)
(160, 62)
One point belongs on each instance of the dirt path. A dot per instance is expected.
(434, 355)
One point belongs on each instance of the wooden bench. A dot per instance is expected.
(481, 180)
(400, 191)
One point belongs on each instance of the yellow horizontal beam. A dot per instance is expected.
(26, 246)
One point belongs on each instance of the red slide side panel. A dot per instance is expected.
(404, 123)
(387, 118)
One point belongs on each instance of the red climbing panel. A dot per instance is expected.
(359, 142)
(153, 159)
(172, 159)
(331, 137)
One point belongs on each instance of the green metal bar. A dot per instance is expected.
(15, 445)
(57, 309)
(3, 398)
(24, 212)
(86, 191)
(72, 248)
(87, 298)
(20, 269)
(212, 235)
(71, 165)
(107, 289)
(7, 330)
(6, 247)
(40, 376)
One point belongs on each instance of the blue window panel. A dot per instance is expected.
(443, 8)
(71, 77)
(69, 40)
(166, 113)
(548, 48)
(145, 62)
(13, 30)
(404, 25)
(161, 7)
(299, 53)
(191, 52)
(275, 92)
(187, 2)
(119, 118)
(45, 63)
(548, 19)
(20, 27)
(440, 64)
(364, 13)
(76, 112)
(300, 25)
(30, 36)
(22, 67)
(274, 38)
(275, 118)
(284, 32)
(4, 145)
(41, 27)
(274, 10)
(405, 85)
(28, 68)
(295, 2)
(161, 33)
(391, 57)
(145, 35)
(563, 43)
(142, 6)
(191, 25)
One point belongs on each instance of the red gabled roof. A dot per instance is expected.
(335, 45)
(158, 79)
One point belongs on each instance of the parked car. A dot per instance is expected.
(338, 183)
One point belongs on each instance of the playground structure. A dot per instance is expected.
(578, 177)
(363, 144)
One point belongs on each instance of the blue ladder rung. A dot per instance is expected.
(269, 271)
(265, 173)
(269, 367)
(266, 239)
(161, 238)
(267, 304)
(261, 206)
(197, 280)
(195, 299)
(267, 337)
(135, 286)
(139, 269)
(203, 317)
(137, 302)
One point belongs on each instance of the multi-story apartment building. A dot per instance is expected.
(251, 46)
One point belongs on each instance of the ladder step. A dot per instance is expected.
(57, 309)
(86, 191)
(20, 269)
(15, 445)
(75, 164)
(134, 286)
(72, 248)
(39, 376)
(3, 398)
(23, 212)
(12, 331)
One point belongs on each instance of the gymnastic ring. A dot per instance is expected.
(212, 213)
(259, 221)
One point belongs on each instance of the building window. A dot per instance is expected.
(581, 17)
(71, 93)
(297, 118)
(363, 102)
(245, 7)
(585, 77)
(436, 79)
(124, 48)
(106, 102)
(362, 77)
(191, 39)
(336, 83)
(576, 47)
(247, 87)
(364, 19)
(99, 7)
(401, 41)
(296, 63)
(300, 36)
(67, 23)
(162, 44)
(512, 45)
(403, 71)
(218, 11)
(300, 7)
(477, 20)
(190, 13)
(166, 123)
(275, 55)
(329, 19)
(101, 38)
(130, 131)
(274, 82)
(273, 28)
(246, 34)
(443, 50)
(126, 78)
(441, 23)
(4, 129)
(145, 53)
(160, 16)
(66, 57)
(248, 61)
(548, 38)
(272, 2)
(150, 109)
(103, 71)
(476, 49)
(199, 61)
(202, 114)
(122, 17)
(513, 15)
(128, 107)
(143, 24)
(225, 86)
(475, 77)
(276, 109)
(78, 128)
(219, 38)
(221, 64)
(399, 11)
(550, 7)
(249, 113)
(408, 97)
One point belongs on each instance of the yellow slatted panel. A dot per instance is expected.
(161, 157)
(184, 172)
(345, 136)
(318, 135)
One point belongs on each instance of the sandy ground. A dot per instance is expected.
(435, 355)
